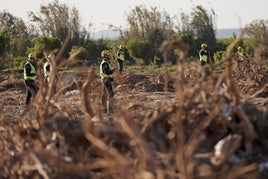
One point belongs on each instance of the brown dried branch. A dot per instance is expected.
(263, 89)
(181, 50)
(85, 103)
(37, 166)
(228, 69)
(249, 132)
(112, 152)
(136, 141)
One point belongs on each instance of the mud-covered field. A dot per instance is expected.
(190, 124)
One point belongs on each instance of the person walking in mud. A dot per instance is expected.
(204, 55)
(30, 77)
(106, 74)
(120, 58)
(205, 59)
(240, 57)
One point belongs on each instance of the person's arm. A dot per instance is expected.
(202, 52)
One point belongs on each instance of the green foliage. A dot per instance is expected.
(44, 44)
(187, 38)
(150, 27)
(18, 63)
(57, 20)
(202, 24)
(258, 33)
(197, 28)
(79, 54)
(94, 49)
(54, 19)
(190, 59)
(222, 44)
(156, 61)
(183, 25)
(218, 55)
(18, 33)
(143, 23)
(139, 49)
(4, 40)
(135, 47)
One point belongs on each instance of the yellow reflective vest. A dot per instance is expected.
(120, 54)
(32, 71)
(46, 71)
(103, 75)
(203, 55)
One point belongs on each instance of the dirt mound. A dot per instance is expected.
(252, 81)
(147, 83)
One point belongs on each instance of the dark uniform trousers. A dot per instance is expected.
(107, 91)
(31, 90)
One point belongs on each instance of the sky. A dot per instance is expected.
(230, 13)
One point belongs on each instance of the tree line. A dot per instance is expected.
(147, 29)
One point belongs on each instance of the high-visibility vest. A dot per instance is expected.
(33, 71)
(203, 57)
(120, 54)
(241, 55)
(46, 72)
(103, 75)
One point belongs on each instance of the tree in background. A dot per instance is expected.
(94, 49)
(18, 33)
(139, 50)
(202, 25)
(41, 45)
(149, 27)
(183, 24)
(185, 32)
(187, 38)
(44, 44)
(258, 33)
(197, 28)
(153, 27)
(79, 55)
(4, 41)
(55, 19)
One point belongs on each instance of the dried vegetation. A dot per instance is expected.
(192, 124)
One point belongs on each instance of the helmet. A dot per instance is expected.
(203, 45)
(30, 55)
(51, 56)
(105, 53)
